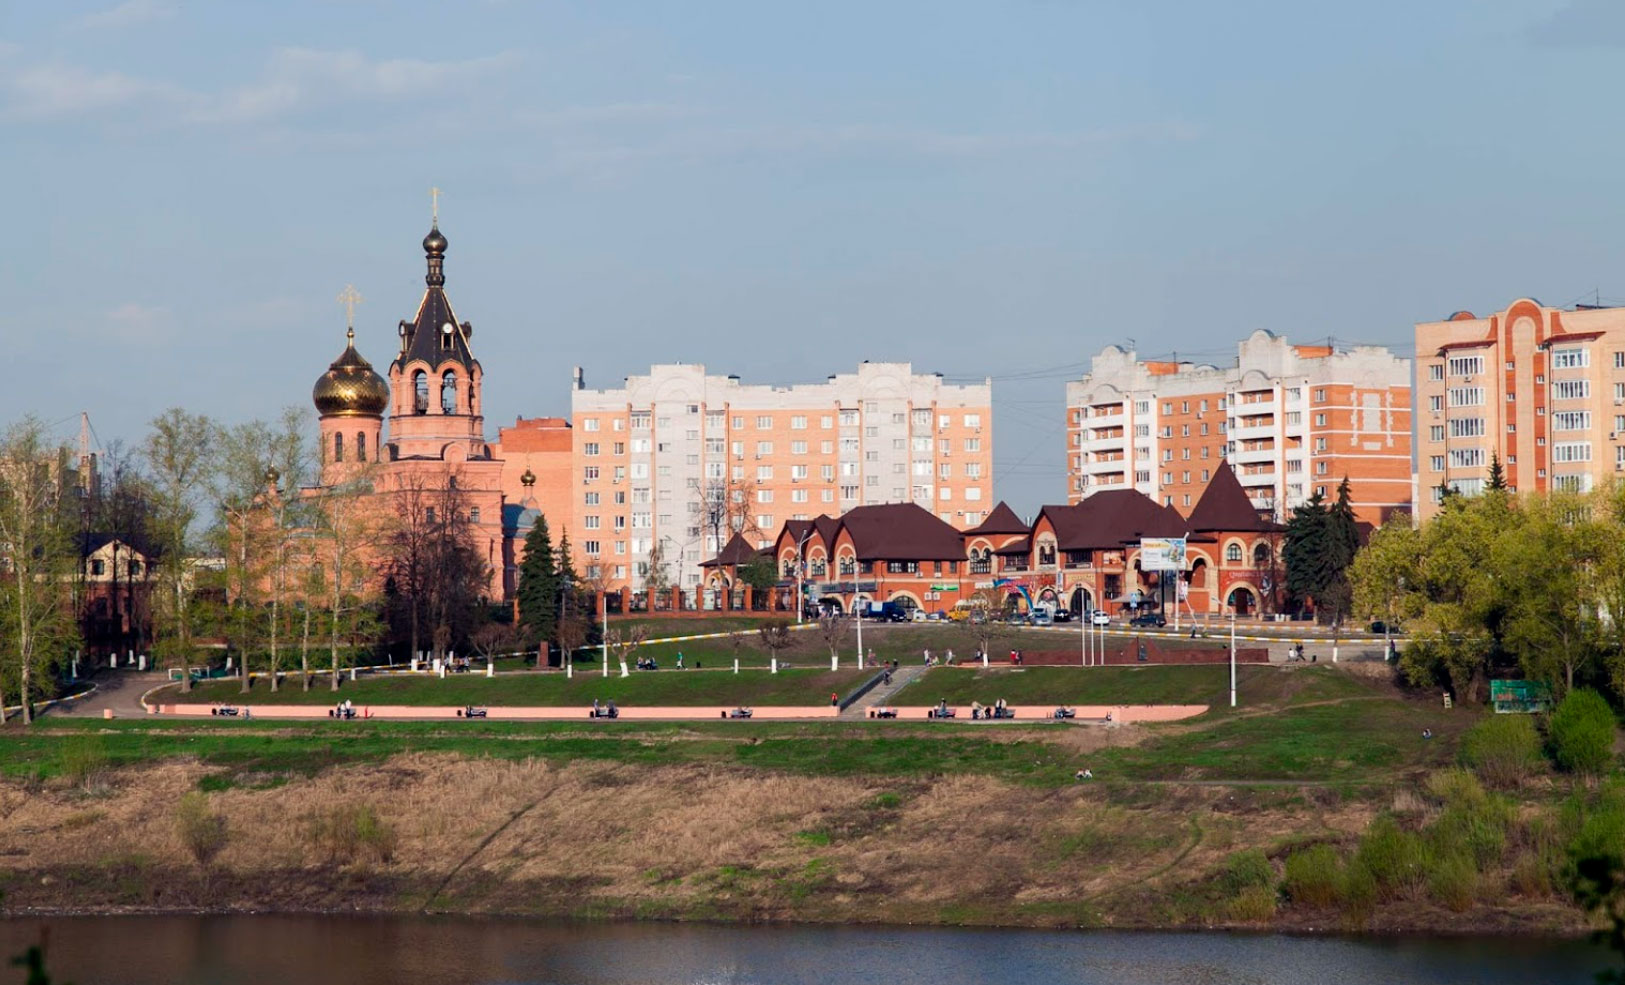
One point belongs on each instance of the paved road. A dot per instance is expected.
(120, 690)
(882, 693)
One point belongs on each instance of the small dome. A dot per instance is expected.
(350, 387)
(434, 242)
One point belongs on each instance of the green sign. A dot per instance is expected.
(1520, 697)
(945, 588)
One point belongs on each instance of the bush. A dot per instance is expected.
(344, 833)
(1478, 830)
(1504, 750)
(1245, 870)
(82, 759)
(1454, 882)
(1255, 904)
(1312, 876)
(202, 831)
(1582, 732)
(1395, 859)
(1358, 889)
(1531, 876)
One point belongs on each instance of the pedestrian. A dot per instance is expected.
(834, 699)
(679, 660)
(928, 656)
(872, 657)
(948, 661)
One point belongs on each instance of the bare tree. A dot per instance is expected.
(492, 640)
(623, 644)
(833, 629)
(725, 510)
(436, 571)
(986, 626)
(775, 637)
(37, 547)
(348, 526)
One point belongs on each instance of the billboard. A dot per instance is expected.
(1162, 554)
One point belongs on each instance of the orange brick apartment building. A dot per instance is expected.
(1290, 419)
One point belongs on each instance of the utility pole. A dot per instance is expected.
(1232, 658)
(857, 617)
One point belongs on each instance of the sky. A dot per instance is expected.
(781, 190)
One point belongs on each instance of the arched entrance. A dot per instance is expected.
(831, 604)
(1242, 601)
(1082, 602)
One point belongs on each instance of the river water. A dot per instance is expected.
(274, 950)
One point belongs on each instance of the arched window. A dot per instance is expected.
(1261, 554)
(448, 393)
(1232, 553)
(420, 389)
(361, 446)
(338, 447)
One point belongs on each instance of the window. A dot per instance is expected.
(473, 514)
(973, 420)
(591, 499)
(1571, 451)
(1571, 390)
(590, 472)
(1436, 432)
(1468, 396)
(338, 447)
(798, 422)
(1572, 483)
(589, 424)
(1320, 396)
(1619, 360)
(420, 392)
(640, 420)
(763, 422)
(1437, 403)
(361, 446)
(1466, 365)
(592, 547)
(798, 471)
(1232, 553)
(620, 448)
(973, 470)
(1436, 463)
(764, 447)
(973, 493)
(1571, 420)
(428, 513)
(764, 495)
(1436, 372)
(590, 448)
(1570, 358)
(1467, 427)
(973, 444)
(1467, 458)
(448, 393)
(590, 521)
(764, 473)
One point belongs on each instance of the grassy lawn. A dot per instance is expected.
(1075, 685)
(661, 687)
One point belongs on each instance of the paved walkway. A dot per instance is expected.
(882, 693)
(120, 690)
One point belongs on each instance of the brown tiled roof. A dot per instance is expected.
(902, 532)
(735, 552)
(1002, 520)
(1111, 519)
(1224, 506)
(1023, 545)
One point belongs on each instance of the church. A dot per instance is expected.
(434, 449)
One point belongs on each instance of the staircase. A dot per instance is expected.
(882, 693)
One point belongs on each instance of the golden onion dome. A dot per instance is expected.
(351, 387)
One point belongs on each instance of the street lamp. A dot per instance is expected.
(801, 573)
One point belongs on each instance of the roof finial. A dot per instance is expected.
(434, 206)
(350, 297)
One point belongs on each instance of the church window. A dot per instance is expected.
(420, 387)
(474, 514)
(361, 446)
(338, 447)
(448, 393)
(428, 513)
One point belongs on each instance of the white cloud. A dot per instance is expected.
(135, 323)
(127, 14)
(54, 90)
(296, 78)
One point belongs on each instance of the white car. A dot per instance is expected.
(1101, 618)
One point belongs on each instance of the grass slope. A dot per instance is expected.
(646, 688)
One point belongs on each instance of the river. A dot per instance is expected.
(274, 950)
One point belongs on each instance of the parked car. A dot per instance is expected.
(1101, 618)
(1042, 617)
(937, 617)
(918, 615)
(1018, 619)
(1149, 619)
(1063, 615)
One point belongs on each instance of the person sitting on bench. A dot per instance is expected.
(1066, 711)
(975, 710)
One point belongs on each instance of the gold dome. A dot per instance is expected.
(351, 387)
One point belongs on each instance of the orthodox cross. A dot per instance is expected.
(349, 297)
(434, 206)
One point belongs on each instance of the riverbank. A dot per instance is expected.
(1272, 816)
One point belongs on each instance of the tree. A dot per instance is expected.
(492, 639)
(37, 545)
(1497, 481)
(655, 578)
(832, 629)
(760, 574)
(346, 529)
(775, 637)
(1546, 559)
(725, 510)
(624, 643)
(437, 575)
(180, 463)
(987, 605)
(538, 588)
(1582, 731)
(1321, 541)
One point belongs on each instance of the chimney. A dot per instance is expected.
(577, 379)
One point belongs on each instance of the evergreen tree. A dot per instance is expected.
(538, 588)
(1498, 478)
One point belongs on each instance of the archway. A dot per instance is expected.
(448, 393)
(1082, 602)
(1242, 600)
(831, 604)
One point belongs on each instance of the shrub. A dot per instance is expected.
(1312, 876)
(202, 831)
(343, 833)
(1504, 750)
(1478, 830)
(83, 759)
(1255, 904)
(1455, 787)
(1531, 876)
(1395, 858)
(1454, 881)
(1582, 732)
(1245, 870)
(1358, 889)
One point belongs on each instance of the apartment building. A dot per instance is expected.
(673, 463)
(1290, 419)
(1542, 389)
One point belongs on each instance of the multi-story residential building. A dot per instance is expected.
(668, 467)
(1292, 420)
(1542, 389)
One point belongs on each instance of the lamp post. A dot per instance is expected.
(801, 573)
(1232, 657)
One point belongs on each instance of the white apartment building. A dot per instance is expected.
(682, 459)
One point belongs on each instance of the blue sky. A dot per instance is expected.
(781, 190)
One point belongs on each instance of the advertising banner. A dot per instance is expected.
(1162, 554)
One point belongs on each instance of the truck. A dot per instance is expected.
(886, 612)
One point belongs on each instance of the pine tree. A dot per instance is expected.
(538, 588)
(1498, 477)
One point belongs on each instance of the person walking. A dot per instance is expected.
(834, 700)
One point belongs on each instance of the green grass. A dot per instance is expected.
(663, 687)
(1078, 685)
